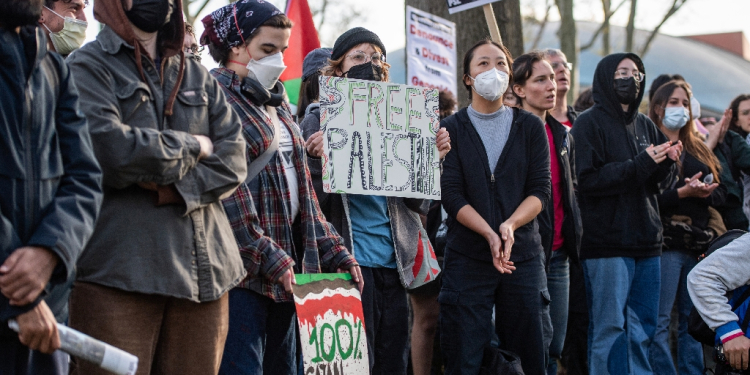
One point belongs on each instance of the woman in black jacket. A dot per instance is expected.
(621, 157)
(560, 223)
(688, 195)
(494, 183)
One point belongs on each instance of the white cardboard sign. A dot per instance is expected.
(379, 138)
(431, 51)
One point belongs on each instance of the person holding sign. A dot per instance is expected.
(381, 231)
(247, 39)
(560, 222)
(495, 182)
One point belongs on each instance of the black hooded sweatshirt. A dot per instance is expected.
(617, 180)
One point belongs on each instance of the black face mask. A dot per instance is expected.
(627, 90)
(150, 15)
(366, 71)
(259, 95)
(15, 13)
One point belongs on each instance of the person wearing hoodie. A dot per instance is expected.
(495, 182)
(382, 232)
(153, 279)
(50, 186)
(248, 39)
(688, 195)
(621, 157)
(535, 84)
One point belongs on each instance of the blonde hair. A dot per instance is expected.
(335, 65)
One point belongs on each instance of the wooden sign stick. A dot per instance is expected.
(489, 15)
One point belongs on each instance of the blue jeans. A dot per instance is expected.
(558, 283)
(471, 288)
(262, 336)
(675, 265)
(623, 295)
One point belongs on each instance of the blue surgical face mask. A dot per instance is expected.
(675, 117)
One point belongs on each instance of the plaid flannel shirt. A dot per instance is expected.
(263, 230)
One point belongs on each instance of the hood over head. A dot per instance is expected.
(604, 90)
(171, 37)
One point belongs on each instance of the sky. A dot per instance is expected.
(695, 17)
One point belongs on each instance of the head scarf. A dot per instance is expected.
(229, 25)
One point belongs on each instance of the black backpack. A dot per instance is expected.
(696, 326)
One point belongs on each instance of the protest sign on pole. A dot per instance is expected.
(331, 324)
(455, 6)
(431, 50)
(379, 138)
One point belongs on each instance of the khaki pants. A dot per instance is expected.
(168, 335)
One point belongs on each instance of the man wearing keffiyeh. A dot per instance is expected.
(247, 39)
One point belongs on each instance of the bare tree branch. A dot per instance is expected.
(602, 27)
(541, 27)
(675, 7)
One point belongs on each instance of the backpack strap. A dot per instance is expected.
(257, 165)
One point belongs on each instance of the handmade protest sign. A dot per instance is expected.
(455, 6)
(431, 51)
(379, 138)
(331, 324)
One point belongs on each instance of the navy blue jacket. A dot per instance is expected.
(50, 182)
(522, 171)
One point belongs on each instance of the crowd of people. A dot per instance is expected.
(165, 209)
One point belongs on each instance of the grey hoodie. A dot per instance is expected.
(726, 269)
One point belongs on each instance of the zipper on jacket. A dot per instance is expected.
(492, 199)
(29, 155)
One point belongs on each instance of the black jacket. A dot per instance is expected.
(617, 179)
(50, 182)
(522, 171)
(572, 227)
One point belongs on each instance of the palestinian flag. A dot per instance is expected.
(304, 39)
(331, 324)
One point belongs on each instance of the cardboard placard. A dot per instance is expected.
(455, 6)
(431, 51)
(331, 324)
(379, 138)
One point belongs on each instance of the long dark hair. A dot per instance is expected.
(309, 91)
(470, 55)
(690, 141)
(735, 106)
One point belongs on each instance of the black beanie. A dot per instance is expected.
(353, 37)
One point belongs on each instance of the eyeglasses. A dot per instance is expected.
(566, 64)
(359, 57)
(625, 73)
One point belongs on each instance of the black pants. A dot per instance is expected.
(17, 359)
(471, 288)
(386, 320)
(575, 350)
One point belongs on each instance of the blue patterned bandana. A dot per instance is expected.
(229, 25)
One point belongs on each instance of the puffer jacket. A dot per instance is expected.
(50, 182)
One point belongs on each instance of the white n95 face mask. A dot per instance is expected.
(696, 107)
(491, 84)
(268, 69)
(71, 37)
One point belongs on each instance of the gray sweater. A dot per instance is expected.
(494, 129)
(726, 269)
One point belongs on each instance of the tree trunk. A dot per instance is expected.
(630, 29)
(568, 35)
(606, 48)
(471, 27)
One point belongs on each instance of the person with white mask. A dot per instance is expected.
(690, 192)
(495, 182)
(64, 23)
(274, 214)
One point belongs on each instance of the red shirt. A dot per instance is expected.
(567, 123)
(557, 187)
